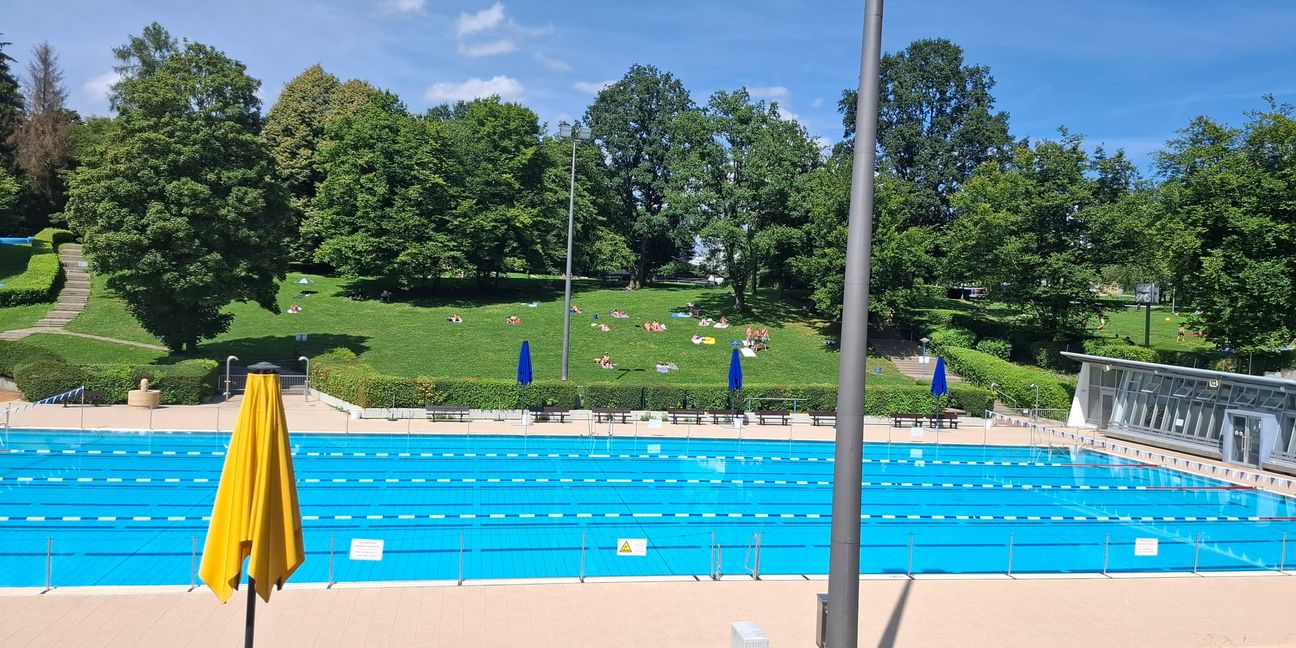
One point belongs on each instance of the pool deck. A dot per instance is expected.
(1051, 610)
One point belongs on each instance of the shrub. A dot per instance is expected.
(43, 277)
(983, 369)
(1124, 351)
(614, 395)
(14, 354)
(1001, 349)
(45, 378)
(943, 337)
(188, 382)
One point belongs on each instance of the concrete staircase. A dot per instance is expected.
(72, 299)
(905, 356)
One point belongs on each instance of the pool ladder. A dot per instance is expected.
(751, 562)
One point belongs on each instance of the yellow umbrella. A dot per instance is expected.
(255, 514)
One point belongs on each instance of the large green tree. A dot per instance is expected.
(936, 123)
(1025, 230)
(180, 207)
(1229, 197)
(384, 206)
(44, 139)
(11, 107)
(632, 119)
(732, 176)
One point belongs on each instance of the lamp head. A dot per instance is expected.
(564, 130)
(584, 132)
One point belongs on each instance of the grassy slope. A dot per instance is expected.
(1129, 321)
(13, 260)
(414, 337)
(82, 350)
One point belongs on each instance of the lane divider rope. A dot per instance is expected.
(628, 515)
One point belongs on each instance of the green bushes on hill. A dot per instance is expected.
(943, 337)
(1001, 349)
(341, 374)
(41, 373)
(43, 277)
(983, 369)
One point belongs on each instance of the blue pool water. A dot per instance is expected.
(127, 509)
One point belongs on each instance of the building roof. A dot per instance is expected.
(1281, 383)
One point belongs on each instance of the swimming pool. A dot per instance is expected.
(128, 508)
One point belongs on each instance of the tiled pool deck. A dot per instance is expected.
(1179, 610)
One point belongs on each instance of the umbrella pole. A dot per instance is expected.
(249, 624)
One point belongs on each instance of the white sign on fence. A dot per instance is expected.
(1145, 546)
(362, 549)
(632, 547)
(654, 423)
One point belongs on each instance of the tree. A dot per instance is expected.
(44, 140)
(732, 174)
(11, 106)
(383, 207)
(9, 192)
(179, 207)
(1025, 231)
(294, 129)
(1230, 194)
(632, 120)
(936, 123)
(142, 56)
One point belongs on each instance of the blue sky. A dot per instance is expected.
(1126, 73)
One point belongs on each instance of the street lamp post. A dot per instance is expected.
(924, 349)
(575, 134)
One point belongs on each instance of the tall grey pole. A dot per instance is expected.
(842, 629)
(571, 210)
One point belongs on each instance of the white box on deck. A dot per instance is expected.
(746, 635)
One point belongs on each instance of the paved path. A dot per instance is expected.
(905, 356)
(72, 299)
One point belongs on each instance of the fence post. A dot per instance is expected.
(461, 545)
(82, 407)
(1282, 554)
(1010, 554)
(909, 563)
(49, 563)
(331, 581)
(582, 561)
(1106, 551)
(1196, 550)
(193, 565)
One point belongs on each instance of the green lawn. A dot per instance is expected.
(13, 260)
(1129, 322)
(411, 337)
(17, 317)
(83, 350)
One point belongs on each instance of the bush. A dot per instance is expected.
(45, 378)
(14, 354)
(943, 337)
(1125, 352)
(188, 382)
(43, 277)
(1001, 349)
(983, 369)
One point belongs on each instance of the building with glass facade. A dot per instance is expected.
(1248, 420)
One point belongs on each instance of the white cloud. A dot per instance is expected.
(768, 92)
(553, 63)
(471, 23)
(403, 6)
(818, 101)
(489, 48)
(97, 88)
(542, 30)
(508, 89)
(823, 142)
(592, 87)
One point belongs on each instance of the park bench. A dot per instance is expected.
(730, 414)
(899, 419)
(677, 414)
(782, 416)
(438, 411)
(948, 420)
(608, 413)
(823, 415)
(551, 412)
(92, 397)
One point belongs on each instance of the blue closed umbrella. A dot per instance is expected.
(939, 386)
(735, 372)
(524, 364)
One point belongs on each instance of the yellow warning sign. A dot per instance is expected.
(632, 547)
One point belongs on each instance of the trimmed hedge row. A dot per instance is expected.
(982, 369)
(341, 374)
(188, 382)
(15, 354)
(943, 337)
(43, 277)
(1256, 360)
(1001, 349)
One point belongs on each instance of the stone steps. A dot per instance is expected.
(72, 299)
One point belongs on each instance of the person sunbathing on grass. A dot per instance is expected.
(706, 321)
(455, 319)
(722, 324)
(620, 314)
(604, 328)
(513, 319)
(294, 309)
(604, 361)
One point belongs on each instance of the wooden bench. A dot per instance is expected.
(899, 419)
(782, 416)
(601, 413)
(945, 420)
(458, 411)
(92, 397)
(677, 414)
(823, 415)
(551, 412)
(731, 414)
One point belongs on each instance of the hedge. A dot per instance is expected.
(943, 337)
(188, 382)
(983, 369)
(1001, 349)
(14, 354)
(43, 277)
(341, 374)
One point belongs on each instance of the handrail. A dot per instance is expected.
(717, 559)
(753, 566)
